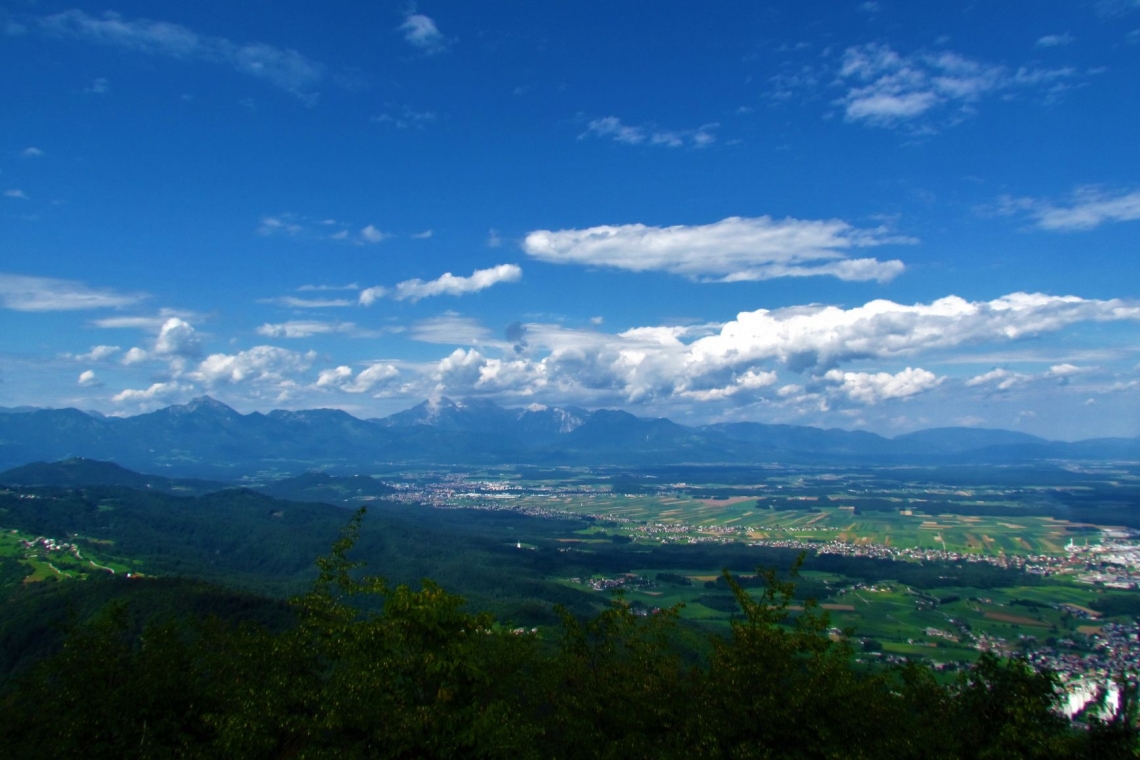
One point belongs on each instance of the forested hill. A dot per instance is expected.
(206, 438)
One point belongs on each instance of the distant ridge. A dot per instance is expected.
(206, 438)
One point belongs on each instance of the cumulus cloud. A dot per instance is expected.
(872, 388)
(282, 67)
(1086, 209)
(177, 337)
(611, 127)
(22, 293)
(806, 337)
(733, 249)
(421, 32)
(259, 364)
(886, 89)
(368, 379)
(87, 379)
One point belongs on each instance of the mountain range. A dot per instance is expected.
(205, 438)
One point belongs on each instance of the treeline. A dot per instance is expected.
(422, 677)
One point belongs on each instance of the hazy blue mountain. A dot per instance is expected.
(952, 440)
(206, 438)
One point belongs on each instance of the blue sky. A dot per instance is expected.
(876, 215)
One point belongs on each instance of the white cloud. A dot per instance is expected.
(258, 364)
(31, 152)
(15, 193)
(369, 296)
(87, 379)
(368, 379)
(425, 235)
(156, 392)
(872, 388)
(421, 32)
(22, 293)
(886, 89)
(494, 239)
(370, 234)
(733, 249)
(1087, 208)
(98, 86)
(612, 127)
(1055, 40)
(97, 354)
(446, 284)
(282, 67)
(135, 356)
(999, 379)
(449, 284)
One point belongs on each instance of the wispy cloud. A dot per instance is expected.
(451, 329)
(405, 117)
(304, 328)
(1055, 40)
(296, 225)
(23, 293)
(31, 152)
(282, 67)
(731, 250)
(421, 32)
(309, 303)
(1086, 208)
(15, 193)
(886, 89)
(445, 284)
(611, 127)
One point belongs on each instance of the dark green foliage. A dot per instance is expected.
(1118, 604)
(423, 677)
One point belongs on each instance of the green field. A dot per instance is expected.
(685, 518)
(44, 564)
(941, 624)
